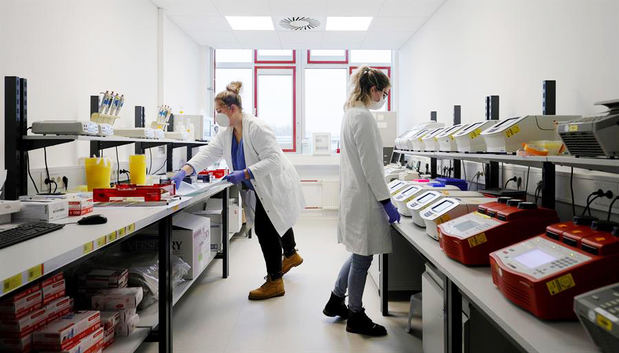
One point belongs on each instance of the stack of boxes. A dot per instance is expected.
(78, 332)
(30, 310)
(109, 321)
(92, 282)
(124, 301)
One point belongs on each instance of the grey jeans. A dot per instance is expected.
(352, 277)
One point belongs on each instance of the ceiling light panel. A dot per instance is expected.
(348, 23)
(250, 23)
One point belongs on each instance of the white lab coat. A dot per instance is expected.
(276, 181)
(363, 225)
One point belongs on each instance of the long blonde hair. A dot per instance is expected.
(231, 95)
(362, 81)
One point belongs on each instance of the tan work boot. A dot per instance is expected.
(270, 289)
(293, 261)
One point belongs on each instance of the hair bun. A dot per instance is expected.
(234, 87)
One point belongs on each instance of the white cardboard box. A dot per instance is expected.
(191, 241)
(43, 210)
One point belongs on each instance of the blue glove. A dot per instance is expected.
(178, 177)
(235, 177)
(391, 210)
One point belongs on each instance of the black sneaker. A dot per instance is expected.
(336, 307)
(362, 324)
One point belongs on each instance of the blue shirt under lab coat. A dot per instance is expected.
(238, 159)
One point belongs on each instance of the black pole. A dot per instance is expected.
(433, 117)
(139, 121)
(457, 120)
(549, 97)
(94, 108)
(15, 124)
(492, 168)
(164, 332)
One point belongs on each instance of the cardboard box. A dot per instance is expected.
(80, 206)
(53, 291)
(125, 315)
(43, 210)
(91, 343)
(67, 331)
(124, 329)
(117, 298)
(108, 337)
(21, 303)
(25, 325)
(104, 278)
(191, 241)
(109, 319)
(59, 308)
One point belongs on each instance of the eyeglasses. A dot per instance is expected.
(385, 94)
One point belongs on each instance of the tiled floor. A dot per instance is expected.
(215, 315)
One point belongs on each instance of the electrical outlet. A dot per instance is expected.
(604, 202)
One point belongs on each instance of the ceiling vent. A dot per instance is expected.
(299, 23)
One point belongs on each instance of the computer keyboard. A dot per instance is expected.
(26, 231)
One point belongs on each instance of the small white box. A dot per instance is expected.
(43, 210)
(191, 241)
(117, 298)
(321, 143)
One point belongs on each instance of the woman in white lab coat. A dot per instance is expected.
(249, 147)
(365, 206)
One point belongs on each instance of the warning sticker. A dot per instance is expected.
(477, 240)
(573, 128)
(475, 133)
(512, 131)
(560, 284)
(603, 322)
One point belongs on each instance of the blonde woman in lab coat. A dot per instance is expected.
(365, 206)
(249, 147)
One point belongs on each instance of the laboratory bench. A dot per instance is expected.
(525, 331)
(465, 287)
(34, 259)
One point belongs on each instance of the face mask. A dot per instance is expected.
(222, 120)
(377, 105)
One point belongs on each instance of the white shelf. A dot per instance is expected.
(149, 317)
(533, 334)
(27, 261)
(107, 139)
(130, 343)
(601, 164)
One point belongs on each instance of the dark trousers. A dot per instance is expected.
(271, 243)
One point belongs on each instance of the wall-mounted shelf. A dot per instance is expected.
(600, 164)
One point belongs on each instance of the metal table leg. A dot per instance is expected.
(384, 284)
(453, 319)
(164, 332)
(224, 233)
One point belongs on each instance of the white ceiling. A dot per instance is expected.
(394, 22)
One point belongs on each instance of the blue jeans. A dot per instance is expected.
(352, 276)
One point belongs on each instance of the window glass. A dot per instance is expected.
(275, 55)
(318, 56)
(224, 76)
(276, 104)
(325, 95)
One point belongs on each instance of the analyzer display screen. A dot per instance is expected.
(534, 258)
(442, 206)
(425, 198)
(466, 225)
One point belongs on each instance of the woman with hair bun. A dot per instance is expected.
(271, 188)
(365, 203)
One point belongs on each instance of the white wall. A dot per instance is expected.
(473, 48)
(71, 49)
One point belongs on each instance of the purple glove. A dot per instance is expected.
(178, 177)
(392, 211)
(235, 177)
